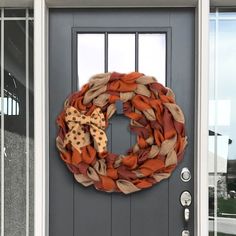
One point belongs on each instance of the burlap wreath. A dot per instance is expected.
(156, 119)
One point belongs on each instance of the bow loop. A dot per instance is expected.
(98, 119)
(77, 134)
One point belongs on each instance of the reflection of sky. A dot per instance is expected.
(152, 55)
(223, 70)
(222, 154)
(90, 56)
(121, 52)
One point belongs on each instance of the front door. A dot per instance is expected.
(157, 42)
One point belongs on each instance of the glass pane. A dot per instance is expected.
(90, 56)
(227, 13)
(14, 127)
(121, 53)
(14, 12)
(152, 55)
(1, 166)
(17, 128)
(31, 129)
(222, 126)
(31, 12)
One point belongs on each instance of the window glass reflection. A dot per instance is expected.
(11, 12)
(90, 56)
(222, 124)
(227, 13)
(152, 55)
(17, 123)
(121, 52)
(14, 126)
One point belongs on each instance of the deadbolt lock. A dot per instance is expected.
(185, 174)
(185, 198)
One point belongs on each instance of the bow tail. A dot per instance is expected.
(77, 138)
(99, 138)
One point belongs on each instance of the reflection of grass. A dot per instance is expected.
(220, 234)
(227, 206)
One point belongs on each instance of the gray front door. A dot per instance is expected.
(106, 33)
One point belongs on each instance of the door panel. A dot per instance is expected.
(79, 211)
(61, 185)
(182, 82)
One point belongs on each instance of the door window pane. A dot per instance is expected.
(222, 125)
(90, 56)
(121, 53)
(152, 55)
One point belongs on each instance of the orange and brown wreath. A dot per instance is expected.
(156, 119)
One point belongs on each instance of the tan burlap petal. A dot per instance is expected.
(126, 186)
(124, 97)
(142, 90)
(150, 114)
(154, 151)
(168, 145)
(92, 174)
(83, 180)
(101, 100)
(171, 158)
(146, 80)
(100, 167)
(111, 109)
(176, 112)
(160, 176)
(99, 79)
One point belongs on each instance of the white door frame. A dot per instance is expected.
(41, 129)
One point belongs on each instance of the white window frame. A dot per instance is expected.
(41, 116)
(41, 121)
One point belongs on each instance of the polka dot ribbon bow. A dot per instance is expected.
(79, 123)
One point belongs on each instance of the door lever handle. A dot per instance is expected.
(186, 214)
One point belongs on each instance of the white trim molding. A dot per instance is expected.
(41, 189)
(16, 3)
(201, 144)
(41, 117)
(116, 3)
(2, 126)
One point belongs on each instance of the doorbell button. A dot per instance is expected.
(185, 233)
(185, 174)
(185, 198)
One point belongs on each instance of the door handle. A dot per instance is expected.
(185, 233)
(186, 200)
(186, 214)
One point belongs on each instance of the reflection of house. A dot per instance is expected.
(17, 85)
(231, 175)
(212, 133)
(15, 105)
(218, 162)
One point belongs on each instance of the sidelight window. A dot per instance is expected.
(17, 120)
(222, 125)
